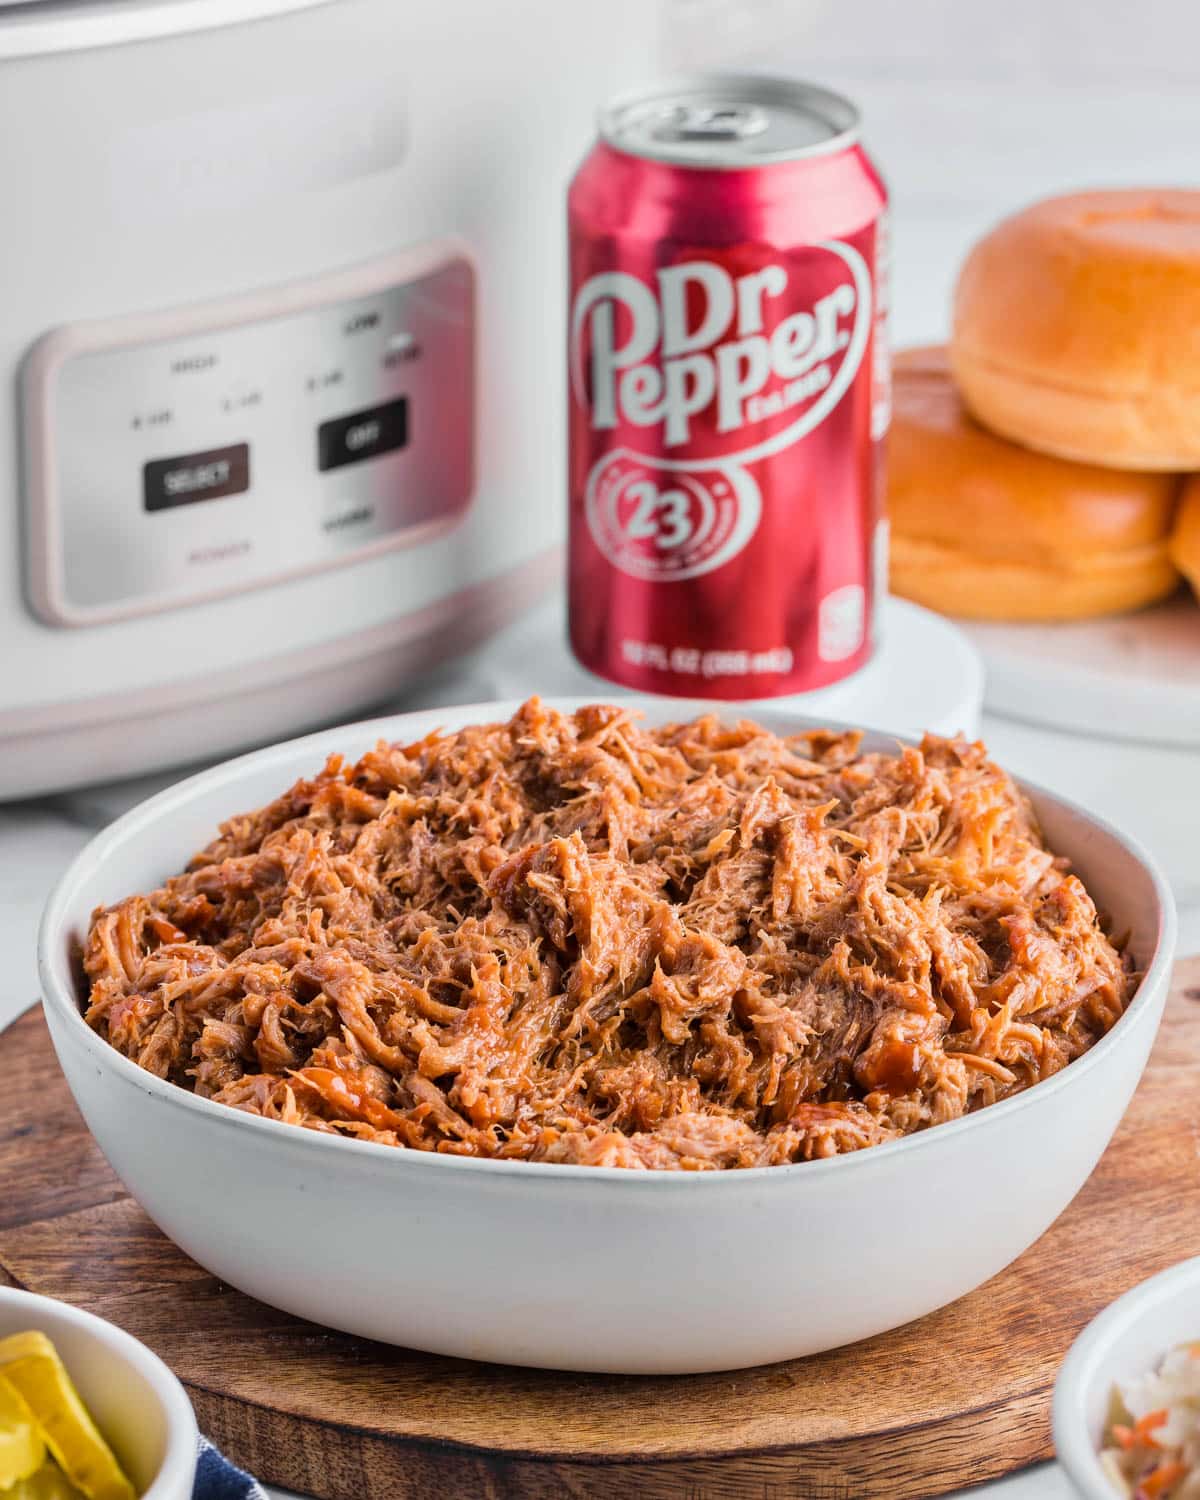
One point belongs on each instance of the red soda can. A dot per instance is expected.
(729, 391)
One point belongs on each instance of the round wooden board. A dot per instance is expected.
(957, 1398)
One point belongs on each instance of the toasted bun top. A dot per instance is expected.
(952, 481)
(1095, 291)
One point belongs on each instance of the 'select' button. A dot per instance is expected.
(362, 435)
(168, 482)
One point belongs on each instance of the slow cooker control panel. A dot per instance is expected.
(188, 454)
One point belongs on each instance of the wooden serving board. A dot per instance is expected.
(960, 1397)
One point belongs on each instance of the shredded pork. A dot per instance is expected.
(575, 939)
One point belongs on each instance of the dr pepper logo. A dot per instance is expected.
(743, 358)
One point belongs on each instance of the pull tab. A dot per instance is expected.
(711, 122)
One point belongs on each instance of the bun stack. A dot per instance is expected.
(1034, 463)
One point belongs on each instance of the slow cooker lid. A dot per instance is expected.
(31, 27)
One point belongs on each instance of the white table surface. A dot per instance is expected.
(1147, 789)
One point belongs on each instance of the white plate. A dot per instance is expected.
(1134, 677)
(925, 674)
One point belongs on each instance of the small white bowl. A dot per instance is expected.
(1126, 1340)
(573, 1267)
(137, 1403)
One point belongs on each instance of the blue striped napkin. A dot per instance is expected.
(218, 1479)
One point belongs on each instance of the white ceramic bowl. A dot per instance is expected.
(586, 1268)
(137, 1403)
(1124, 1341)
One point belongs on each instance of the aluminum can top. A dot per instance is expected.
(730, 121)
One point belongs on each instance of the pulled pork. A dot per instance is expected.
(573, 939)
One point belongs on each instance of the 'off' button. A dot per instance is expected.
(362, 435)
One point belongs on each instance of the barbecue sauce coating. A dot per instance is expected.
(575, 939)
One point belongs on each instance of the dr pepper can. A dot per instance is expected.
(729, 391)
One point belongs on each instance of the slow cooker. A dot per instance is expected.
(281, 314)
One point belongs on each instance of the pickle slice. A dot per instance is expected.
(22, 1449)
(48, 1483)
(16, 1345)
(30, 1362)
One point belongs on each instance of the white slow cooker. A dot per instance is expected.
(281, 302)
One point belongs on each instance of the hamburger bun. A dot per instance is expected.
(1077, 328)
(987, 530)
(1185, 539)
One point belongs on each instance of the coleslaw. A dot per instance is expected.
(1152, 1440)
